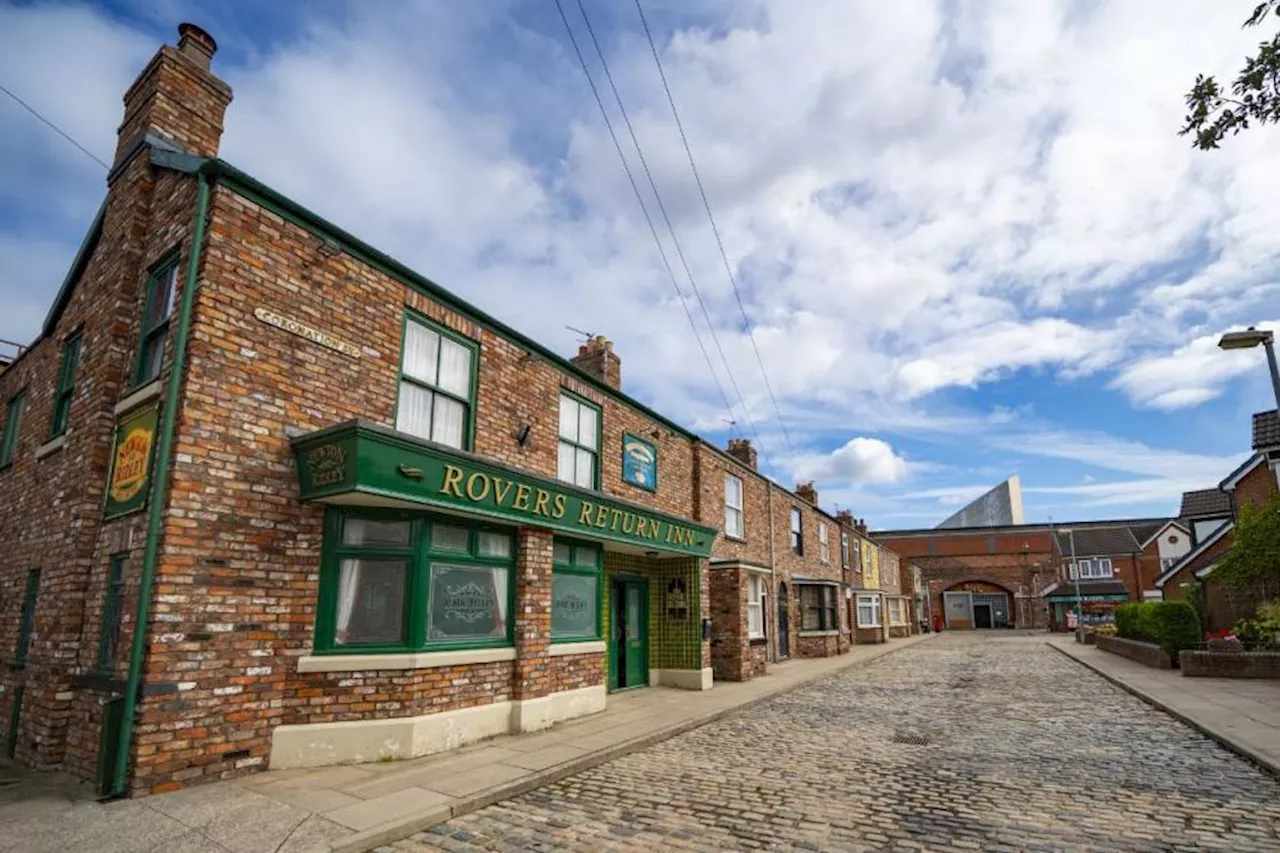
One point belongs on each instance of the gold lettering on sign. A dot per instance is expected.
(293, 327)
(452, 481)
(522, 497)
(471, 487)
(557, 506)
(501, 488)
(130, 472)
(540, 502)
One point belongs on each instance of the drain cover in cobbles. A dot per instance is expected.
(914, 740)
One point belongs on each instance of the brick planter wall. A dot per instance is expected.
(1148, 654)
(868, 635)
(899, 631)
(817, 644)
(1230, 664)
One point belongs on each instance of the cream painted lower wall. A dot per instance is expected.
(686, 679)
(360, 741)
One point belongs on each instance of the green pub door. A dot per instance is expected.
(629, 634)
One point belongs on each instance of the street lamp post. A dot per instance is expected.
(1071, 537)
(1250, 338)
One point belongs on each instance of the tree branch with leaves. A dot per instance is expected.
(1254, 95)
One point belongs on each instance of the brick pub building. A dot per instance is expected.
(275, 499)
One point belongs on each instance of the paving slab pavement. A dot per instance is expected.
(358, 807)
(1243, 714)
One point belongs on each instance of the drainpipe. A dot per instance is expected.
(773, 574)
(158, 493)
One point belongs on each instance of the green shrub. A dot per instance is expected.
(1172, 625)
(1129, 620)
(1259, 633)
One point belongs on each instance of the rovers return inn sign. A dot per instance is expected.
(130, 480)
(354, 461)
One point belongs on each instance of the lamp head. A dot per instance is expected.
(1247, 339)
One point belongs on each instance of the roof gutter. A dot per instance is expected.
(120, 776)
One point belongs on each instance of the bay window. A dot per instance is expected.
(579, 449)
(868, 611)
(437, 370)
(818, 607)
(733, 523)
(755, 606)
(575, 591)
(402, 581)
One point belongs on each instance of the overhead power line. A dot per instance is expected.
(635, 188)
(728, 267)
(653, 186)
(54, 128)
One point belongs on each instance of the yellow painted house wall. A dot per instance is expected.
(870, 565)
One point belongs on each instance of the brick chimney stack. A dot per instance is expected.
(807, 492)
(177, 97)
(597, 357)
(741, 449)
(845, 518)
(861, 526)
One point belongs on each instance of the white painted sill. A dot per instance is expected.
(145, 394)
(407, 660)
(832, 633)
(589, 647)
(53, 445)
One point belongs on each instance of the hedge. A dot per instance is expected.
(1129, 620)
(1172, 625)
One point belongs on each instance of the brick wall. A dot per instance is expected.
(1230, 664)
(1148, 654)
(1256, 487)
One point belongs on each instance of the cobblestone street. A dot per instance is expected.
(1026, 750)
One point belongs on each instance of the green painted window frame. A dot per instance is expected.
(595, 468)
(163, 279)
(473, 387)
(12, 427)
(28, 619)
(419, 555)
(572, 567)
(71, 350)
(110, 623)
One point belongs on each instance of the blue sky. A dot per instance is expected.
(968, 239)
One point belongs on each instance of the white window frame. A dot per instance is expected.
(570, 438)
(1099, 568)
(844, 549)
(824, 546)
(797, 531)
(755, 606)
(734, 511)
(873, 601)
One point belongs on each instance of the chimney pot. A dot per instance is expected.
(196, 44)
(741, 449)
(597, 357)
(845, 518)
(807, 492)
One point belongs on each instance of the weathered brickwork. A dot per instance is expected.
(54, 492)
(1023, 564)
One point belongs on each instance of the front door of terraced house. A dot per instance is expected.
(629, 634)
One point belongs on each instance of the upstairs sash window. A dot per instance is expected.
(436, 384)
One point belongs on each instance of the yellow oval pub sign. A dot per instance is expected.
(131, 463)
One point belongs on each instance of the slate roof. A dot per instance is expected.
(1143, 532)
(1098, 542)
(1205, 503)
(1266, 429)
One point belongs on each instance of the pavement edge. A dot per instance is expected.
(1237, 746)
(396, 830)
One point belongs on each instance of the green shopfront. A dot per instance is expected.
(509, 600)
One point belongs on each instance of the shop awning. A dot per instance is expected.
(1090, 590)
(362, 464)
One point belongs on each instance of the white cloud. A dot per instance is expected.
(859, 461)
(1189, 375)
